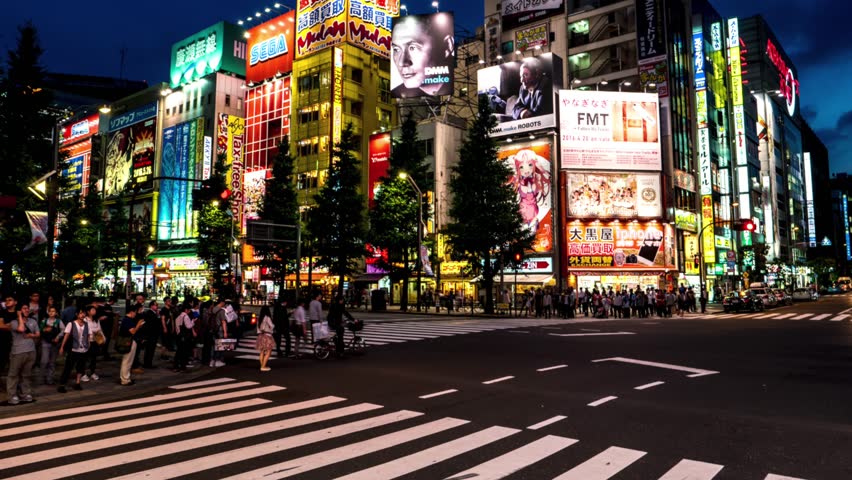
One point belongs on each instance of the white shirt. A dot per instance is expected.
(299, 315)
(266, 325)
(79, 335)
(94, 327)
(315, 310)
(184, 321)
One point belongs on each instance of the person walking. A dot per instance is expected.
(299, 327)
(219, 329)
(315, 311)
(78, 333)
(25, 333)
(51, 328)
(547, 303)
(96, 340)
(129, 333)
(281, 321)
(336, 312)
(184, 337)
(703, 299)
(265, 341)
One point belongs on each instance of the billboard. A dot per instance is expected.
(230, 141)
(613, 195)
(531, 37)
(130, 157)
(319, 24)
(183, 157)
(423, 55)
(218, 48)
(270, 48)
(530, 164)
(78, 159)
(622, 245)
(650, 30)
(379, 154)
(517, 13)
(79, 130)
(521, 93)
(370, 24)
(253, 192)
(609, 130)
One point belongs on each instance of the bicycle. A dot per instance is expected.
(324, 347)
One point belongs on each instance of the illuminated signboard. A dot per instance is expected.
(532, 37)
(78, 160)
(846, 228)
(319, 24)
(337, 98)
(737, 95)
(130, 150)
(787, 82)
(704, 164)
(716, 36)
(703, 146)
(253, 192)
(609, 130)
(183, 156)
(809, 201)
(136, 115)
(516, 13)
(218, 48)
(708, 236)
(79, 130)
(618, 244)
(531, 265)
(686, 220)
(423, 56)
(613, 195)
(700, 77)
(231, 142)
(530, 179)
(270, 48)
(379, 154)
(370, 24)
(650, 30)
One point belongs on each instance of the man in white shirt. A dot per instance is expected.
(298, 327)
(315, 310)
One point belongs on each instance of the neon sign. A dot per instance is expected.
(787, 83)
(268, 49)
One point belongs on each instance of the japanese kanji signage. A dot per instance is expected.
(622, 245)
(650, 29)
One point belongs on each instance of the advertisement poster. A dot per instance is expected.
(517, 13)
(423, 56)
(614, 195)
(521, 93)
(370, 24)
(183, 151)
(230, 142)
(218, 48)
(650, 30)
(79, 130)
(655, 75)
(531, 37)
(78, 159)
(609, 130)
(130, 157)
(379, 155)
(619, 245)
(531, 179)
(319, 24)
(253, 192)
(270, 48)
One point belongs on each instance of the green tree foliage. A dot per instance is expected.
(26, 153)
(80, 241)
(337, 222)
(280, 206)
(757, 270)
(393, 219)
(486, 221)
(215, 224)
(114, 240)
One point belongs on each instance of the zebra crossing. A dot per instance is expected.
(389, 333)
(816, 317)
(224, 428)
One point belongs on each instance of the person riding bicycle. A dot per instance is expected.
(336, 313)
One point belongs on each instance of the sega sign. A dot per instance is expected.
(79, 130)
(134, 116)
(267, 49)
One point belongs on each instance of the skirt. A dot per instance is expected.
(265, 342)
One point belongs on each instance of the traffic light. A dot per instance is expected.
(745, 225)
(518, 257)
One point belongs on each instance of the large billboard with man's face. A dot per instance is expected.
(423, 55)
(530, 163)
(609, 130)
(521, 93)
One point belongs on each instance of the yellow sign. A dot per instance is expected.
(690, 252)
(337, 98)
(708, 237)
(364, 23)
(370, 23)
(452, 268)
(724, 242)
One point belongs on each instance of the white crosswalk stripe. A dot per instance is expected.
(839, 318)
(802, 316)
(252, 424)
(830, 317)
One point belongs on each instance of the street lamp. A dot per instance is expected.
(411, 181)
(435, 4)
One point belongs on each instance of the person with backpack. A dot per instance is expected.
(184, 337)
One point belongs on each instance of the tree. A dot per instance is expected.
(80, 240)
(115, 238)
(215, 223)
(486, 221)
(26, 153)
(337, 221)
(393, 219)
(280, 206)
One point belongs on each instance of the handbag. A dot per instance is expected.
(320, 331)
(122, 344)
(99, 337)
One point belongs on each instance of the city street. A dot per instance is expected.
(738, 396)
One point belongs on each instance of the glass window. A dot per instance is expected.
(227, 100)
(357, 75)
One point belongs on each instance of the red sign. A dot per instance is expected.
(80, 129)
(379, 154)
(787, 83)
(270, 48)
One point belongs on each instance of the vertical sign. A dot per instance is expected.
(231, 137)
(651, 46)
(740, 149)
(809, 201)
(703, 149)
(846, 228)
(208, 158)
(337, 98)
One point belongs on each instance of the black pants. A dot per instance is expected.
(73, 361)
(94, 351)
(5, 351)
(184, 348)
(338, 339)
(208, 346)
(283, 331)
(106, 326)
(150, 350)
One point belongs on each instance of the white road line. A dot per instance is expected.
(516, 331)
(648, 385)
(202, 383)
(341, 454)
(803, 316)
(602, 401)
(160, 433)
(438, 394)
(547, 369)
(516, 460)
(430, 456)
(765, 316)
(692, 470)
(549, 421)
(724, 315)
(138, 422)
(603, 465)
(696, 372)
(772, 476)
(821, 316)
(590, 330)
(124, 403)
(838, 318)
(786, 315)
(402, 335)
(602, 334)
(101, 417)
(286, 443)
(497, 380)
(649, 323)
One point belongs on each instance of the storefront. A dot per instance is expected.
(455, 278)
(181, 276)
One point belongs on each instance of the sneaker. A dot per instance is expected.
(27, 399)
(14, 400)
(220, 363)
(62, 389)
(85, 378)
(128, 383)
(265, 369)
(94, 376)
(77, 386)
(212, 363)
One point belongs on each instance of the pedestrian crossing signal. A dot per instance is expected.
(745, 225)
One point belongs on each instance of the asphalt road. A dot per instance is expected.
(742, 396)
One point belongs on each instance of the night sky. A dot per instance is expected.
(87, 39)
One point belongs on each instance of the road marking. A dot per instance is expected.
(555, 367)
(650, 323)
(340, 454)
(202, 383)
(160, 433)
(822, 316)
(126, 403)
(497, 380)
(138, 422)
(801, 317)
(590, 329)
(696, 372)
(430, 456)
(786, 315)
(602, 334)
(517, 331)
(763, 317)
(692, 470)
(101, 417)
(438, 394)
(772, 476)
(839, 318)
(648, 385)
(601, 401)
(551, 328)
(518, 459)
(547, 422)
(603, 465)
(725, 315)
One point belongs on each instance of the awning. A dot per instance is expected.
(527, 279)
(369, 277)
(174, 252)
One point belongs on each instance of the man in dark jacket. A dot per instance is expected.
(281, 320)
(336, 312)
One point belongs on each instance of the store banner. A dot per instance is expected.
(271, 48)
(609, 130)
(218, 48)
(253, 192)
(708, 235)
(531, 37)
(231, 139)
(650, 30)
(130, 156)
(38, 228)
(319, 24)
(516, 13)
(532, 265)
(530, 164)
(621, 245)
(613, 195)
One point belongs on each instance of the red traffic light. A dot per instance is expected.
(518, 257)
(745, 225)
(226, 193)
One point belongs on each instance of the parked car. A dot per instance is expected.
(747, 302)
(832, 289)
(804, 294)
(783, 298)
(764, 293)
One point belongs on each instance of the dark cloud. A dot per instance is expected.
(838, 140)
(810, 113)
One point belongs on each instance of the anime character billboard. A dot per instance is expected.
(531, 179)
